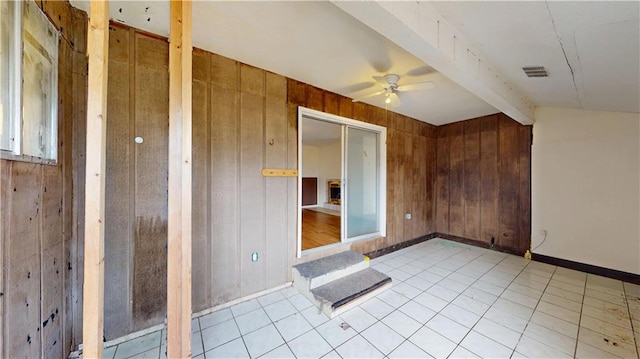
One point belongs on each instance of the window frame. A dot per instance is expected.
(15, 151)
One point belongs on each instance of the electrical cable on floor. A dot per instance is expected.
(543, 239)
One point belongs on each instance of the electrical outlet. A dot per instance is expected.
(254, 256)
(407, 216)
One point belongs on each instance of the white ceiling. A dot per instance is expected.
(319, 44)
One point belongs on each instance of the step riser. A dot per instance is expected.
(332, 313)
(331, 276)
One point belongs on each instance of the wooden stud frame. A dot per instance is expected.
(93, 286)
(180, 167)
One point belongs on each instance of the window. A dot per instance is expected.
(28, 83)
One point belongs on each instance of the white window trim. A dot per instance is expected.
(15, 87)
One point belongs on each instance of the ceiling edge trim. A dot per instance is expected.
(419, 29)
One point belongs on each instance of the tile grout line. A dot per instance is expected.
(584, 294)
(633, 329)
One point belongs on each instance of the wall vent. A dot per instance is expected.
(535, 71)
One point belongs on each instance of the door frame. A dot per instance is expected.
(382, 175)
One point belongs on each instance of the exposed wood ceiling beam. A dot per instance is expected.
(93, 284)
(180, 166)
(419, 28)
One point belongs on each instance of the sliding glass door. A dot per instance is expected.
(362, 187)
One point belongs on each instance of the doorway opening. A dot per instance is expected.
(342, 180)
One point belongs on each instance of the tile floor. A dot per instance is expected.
(447, 300)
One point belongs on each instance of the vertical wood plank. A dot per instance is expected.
(252, 185)
(509, 156)
(472, 179)
(524, 210)
(5, 176)
(442, 179)
(275, 144)
(456, 179)
(330, 103)
(431, 179)
(400, 185)
(93, 288)
(345, 107)
(180, 182)
(391, 185)
(315, 98)
(117, 307)
(489, 178)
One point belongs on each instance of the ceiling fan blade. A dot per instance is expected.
(381, 80)
(417, 86)
(395, 100)
(367, 96)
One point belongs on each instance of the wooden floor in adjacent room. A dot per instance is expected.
(319, 229)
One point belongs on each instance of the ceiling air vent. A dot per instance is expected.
(535, 71)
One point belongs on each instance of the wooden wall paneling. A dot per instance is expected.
(330, 102)
(252, 184)
(275, 152)
(292, 186)
(201, 205)
(524, 211)
(23, 267)
(118, 251)
(456, 179)
(442, 179)
(360, 111)
(509, 158)
(399, 195)
(296, 92)
(225, 181)
(345, 107)
(471, 181)
(488, 178)
(315, 98)
(417, 188)
(408, 188)
(392, 159)
(422, 198)
(431, 178)
(61, 16)
(151, 186)
(51, 261)
(5, 195)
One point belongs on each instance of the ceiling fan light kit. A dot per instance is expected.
(390, 88)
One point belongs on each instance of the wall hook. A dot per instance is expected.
(271, 142)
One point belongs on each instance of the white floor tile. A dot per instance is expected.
(333, 332)
(430, 301)
(498, 333)
(453, 285)
(506, 319)
(607, 343)
(553, 323)
(474, 306)
(462, 353)
(263, 341)
(219, 334)
(138, 345)
(233, 349)
(417, 311)
(300, 302)
(279, 310)
(358, 319)
(377, 308)
(461, 278)
(109, 352)
(393, 298)
(332, 355)
(519, 298)
(399, 275)
(244, 307)
(488, 287)
(460, 315)
(559, 312)
(406, 290)
(551, 338)
(562, 302)
(614, 331)
(408, 350)
(433, 343)
(485, 347)
(430, 277)
(409, 268)
(586, 351)
(382, 337)
(576, 297)
(289, 291)
(442, 292)
(281, 352)
(270, 298)
(314, 316)
(566, 286)
(480, 295)
(293, 326)
(214, 318)
(309, 345)
(197, 347)
(401, 323)
(358, 347)
(513, 308)
(151, 353)
(419, 283)
(620, 319)
(611, 297)
(448, 328)
(252, 321)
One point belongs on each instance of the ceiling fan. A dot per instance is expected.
(390, 88)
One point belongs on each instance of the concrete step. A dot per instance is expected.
(338, 282)
(313, 274)
(347, 292)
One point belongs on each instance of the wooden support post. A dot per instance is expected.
(179, 226)
(93, 286)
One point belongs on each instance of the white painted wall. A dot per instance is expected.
(586, 187)
(323, 162)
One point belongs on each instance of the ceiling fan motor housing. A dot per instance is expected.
(392, 79)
